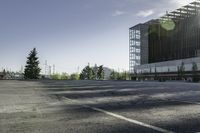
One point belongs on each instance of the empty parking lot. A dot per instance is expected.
(99, 107)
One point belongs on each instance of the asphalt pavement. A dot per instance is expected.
(99, 107)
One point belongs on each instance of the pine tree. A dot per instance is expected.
(87, 73)
(95, 70)
(195, 76)
(32, 70)
(155, 74)
(182, 70)
(100, 73)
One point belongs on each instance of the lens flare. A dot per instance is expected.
(167, 24)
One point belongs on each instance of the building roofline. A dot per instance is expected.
(186, 11)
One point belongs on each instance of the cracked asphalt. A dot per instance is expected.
(67, 107)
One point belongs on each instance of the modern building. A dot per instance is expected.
(162, 45)
(138, 44)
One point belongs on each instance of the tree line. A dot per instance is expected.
(32, 71)
(92, 73)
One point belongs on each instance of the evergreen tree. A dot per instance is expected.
(81, 77)
(119, 75)
(32, 70)
(100, 73)
(91, 74)
(178, 72)
(87, 73)
(195, 76)
(155, 74)
(114, 75)
(182, 70)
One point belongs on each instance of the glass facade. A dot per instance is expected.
(138, 49)
(168, 66)
(161, 45)
(135, 47)
(180, 42)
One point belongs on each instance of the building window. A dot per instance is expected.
(135, 50)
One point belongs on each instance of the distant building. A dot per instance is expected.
(11, 75)
(18, 76)
(107, 72)
(162, 45)
(1, 75)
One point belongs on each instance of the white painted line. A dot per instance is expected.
(125, 118)
(131, 120)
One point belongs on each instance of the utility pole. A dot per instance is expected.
(45, 67)
(49, 70)
(21, 69)
(54, 68)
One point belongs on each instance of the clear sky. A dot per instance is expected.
(71, 33)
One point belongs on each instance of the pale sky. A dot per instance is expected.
(71, 33)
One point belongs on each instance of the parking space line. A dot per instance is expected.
(125, 118)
